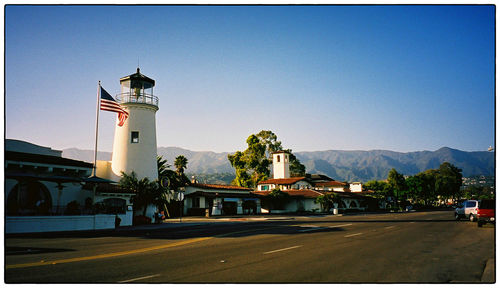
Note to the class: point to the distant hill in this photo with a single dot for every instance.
(338, 164)
(376, 164)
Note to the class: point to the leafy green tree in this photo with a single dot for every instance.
(397, 183)
(428, 180)
(448, 181)
(253, 165)
(415, 188)
(270, 141)
(297, 169)
(278, 199)
(327, 200)
(478, 192)
(381, 189)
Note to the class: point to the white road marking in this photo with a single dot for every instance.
(389, 227)
(351, 235)
(343, 225)
(140, 278)
(312, 229)
(284, 249)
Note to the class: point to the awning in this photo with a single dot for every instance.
(50, 178)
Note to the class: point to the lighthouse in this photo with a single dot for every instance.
(134, 146)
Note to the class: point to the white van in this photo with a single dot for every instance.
(468, 209)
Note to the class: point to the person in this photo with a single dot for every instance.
(117, 221)
(157, 217)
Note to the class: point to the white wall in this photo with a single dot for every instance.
(293, 206)
(281, 169)
(356, 187)
(300, 185)
(70, 192)
(26, 224)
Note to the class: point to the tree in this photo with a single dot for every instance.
(180, 164)
(145, 191)
(478, 192)
(163, 167)
(167, 182)
(270, 141)
(415, 188)
(175, 180)
(428, 179)
(327, 200)
(297, 169)
(278, 199)
(397, 183)
(448, 181)
(253, 165)
(380, 188)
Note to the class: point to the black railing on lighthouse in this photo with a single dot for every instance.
(142, 98)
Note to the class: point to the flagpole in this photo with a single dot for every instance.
(96, 127)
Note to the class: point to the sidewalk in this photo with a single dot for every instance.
(489, 272)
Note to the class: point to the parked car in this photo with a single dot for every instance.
(468, 210)
(486, 212)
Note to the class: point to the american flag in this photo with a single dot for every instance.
(108, 103)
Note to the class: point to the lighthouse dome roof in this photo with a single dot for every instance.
(139, 77)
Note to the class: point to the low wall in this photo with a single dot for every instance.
(27, 224)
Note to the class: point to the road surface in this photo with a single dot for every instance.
(417, 247)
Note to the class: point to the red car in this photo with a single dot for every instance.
(486, 212)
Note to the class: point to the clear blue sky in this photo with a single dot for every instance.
(403, 78)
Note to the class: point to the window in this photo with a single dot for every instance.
(278, 158)
(196, 202)
(135, 137)
(470, 204)
(31, 198)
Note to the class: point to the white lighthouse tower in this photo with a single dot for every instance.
(134, 146)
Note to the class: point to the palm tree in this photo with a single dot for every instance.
(163, 167)
(180, 164)
(164, 195)
(144, 190)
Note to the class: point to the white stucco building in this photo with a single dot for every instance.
(303, 191)
(217, 200)
(47, 192)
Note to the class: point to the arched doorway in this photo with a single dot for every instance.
(29, 198)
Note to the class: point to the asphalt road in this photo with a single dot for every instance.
(418, 247)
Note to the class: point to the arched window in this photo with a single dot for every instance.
(29, 198)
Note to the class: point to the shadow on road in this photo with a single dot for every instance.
(9, 250)
(222, 229)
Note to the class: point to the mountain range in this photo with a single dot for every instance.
(340, 165)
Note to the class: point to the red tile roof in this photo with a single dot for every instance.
(330, 184)
(217, 186)
(282, 181)
(308, 193)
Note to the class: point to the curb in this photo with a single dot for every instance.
(489, 272)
